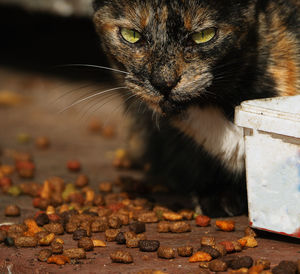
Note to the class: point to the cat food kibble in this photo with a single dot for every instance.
(25, 241)
(98, 243)
(163, 227)
(228, 245)
(202, 221)
(57, 247)
(55, 228)
(75, 253)
(111, 234)
(81, 181)
(42, 142)
(148, 217)
(217, 266)
(74, 165)
(208, 240)
(120, 256)
(240, 262)
(47, 240)
(120, 239)
(58, 259)
(250, 232)
(86, 243)
(200, 257)
(79, 233)
(105, 187)
(172, 216)
(12, 211)
(226, 225)
(286, 267)
(44, 254)
(149, 245)
(137, 227)
(42, 219)
(264, 262)
(166, 252)
(180, 227)
(185, 251)
(211, 251)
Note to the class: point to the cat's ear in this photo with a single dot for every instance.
(97, 4)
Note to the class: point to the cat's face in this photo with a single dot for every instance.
(175, 51)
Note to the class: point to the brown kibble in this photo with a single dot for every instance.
(241, 262)
(187, 214)
(228, 246)
(42, 142)
(180, 227)
(99, 243)
(98, 200)
(79, 233)
(221, 249)
(44, 254)
(202, 221)
(114, 222)
(250, 241)
(208, 240)
(163, 227)
(111, 234)
(172, 216)
(137, 227)
(166, 253)
(57, 247)
(81, 181)
(25, 241)
(227, 226)
(237, 246)
(185, 251)
(149, 245)
(32, 188)
(42, 219)
(55, 228)
(60, 241)
(99, 225)
(105, 187)
(95, 126)
(12, 211)
(132, 242)
(285, 267)
(148, 217)
(200, 257)
(72, 227)
(47, 240)
(75, 253)
(250, 232)
(217, 266)
(74, 165)
(58, 259)
(25, 169)
(214, 253)
(120, 256)
(86, 243)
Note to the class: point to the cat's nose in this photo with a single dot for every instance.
(163, 87)
(164, 81)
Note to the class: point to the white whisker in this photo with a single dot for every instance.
(93, 66)
(89, 97)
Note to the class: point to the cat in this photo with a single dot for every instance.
(188, 64)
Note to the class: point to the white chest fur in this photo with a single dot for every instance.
(211, 130)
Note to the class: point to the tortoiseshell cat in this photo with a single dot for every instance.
(191, 62)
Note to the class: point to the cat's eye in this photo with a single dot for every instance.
(204, 36)
(131, 36)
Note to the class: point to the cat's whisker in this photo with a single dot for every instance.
(90, 97)
(93, 66)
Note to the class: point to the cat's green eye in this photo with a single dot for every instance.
(204, 35)
(131, 36)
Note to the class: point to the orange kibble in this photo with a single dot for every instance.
(202, 221)
(172, 216)
(58, 259)
(226, 225)
(250, 241)
(242, 242)
(99, 243)
(33, 228)
(256, 269)
(200, 257)
(46, 190)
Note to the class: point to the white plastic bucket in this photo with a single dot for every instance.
(272, 147)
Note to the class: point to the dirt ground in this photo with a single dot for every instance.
(39, 114)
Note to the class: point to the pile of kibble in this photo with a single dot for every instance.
(77, 209)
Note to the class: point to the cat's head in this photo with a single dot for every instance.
(177, 52)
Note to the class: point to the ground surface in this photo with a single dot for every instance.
(38, 115)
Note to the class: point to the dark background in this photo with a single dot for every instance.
(40, 42)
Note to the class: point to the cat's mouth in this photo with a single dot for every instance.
(179, 99)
